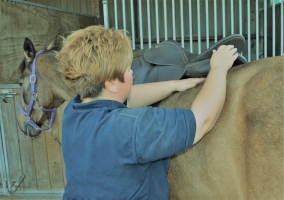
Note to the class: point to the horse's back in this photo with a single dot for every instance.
(242, 156)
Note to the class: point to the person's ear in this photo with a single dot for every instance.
(111, 86)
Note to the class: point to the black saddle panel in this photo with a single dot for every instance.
(145, 72)
(166, 53)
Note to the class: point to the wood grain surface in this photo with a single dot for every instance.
(38, 24)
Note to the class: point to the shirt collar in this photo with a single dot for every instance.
(76, 103)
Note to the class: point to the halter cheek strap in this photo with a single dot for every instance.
(32, 101)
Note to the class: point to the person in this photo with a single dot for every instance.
(114, 145)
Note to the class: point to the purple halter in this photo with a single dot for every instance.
(34, 98)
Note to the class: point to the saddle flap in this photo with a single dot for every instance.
(145, 72)
(167, 53)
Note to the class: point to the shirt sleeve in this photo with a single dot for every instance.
(162, 132)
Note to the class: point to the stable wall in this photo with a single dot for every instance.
(40, 25)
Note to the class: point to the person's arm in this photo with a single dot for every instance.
(149, 93)
(209, 103)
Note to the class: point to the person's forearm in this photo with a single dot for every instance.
(209, 103)
(149, 93)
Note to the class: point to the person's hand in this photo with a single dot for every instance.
(185, 84)
(224, 57)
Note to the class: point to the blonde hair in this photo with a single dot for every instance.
(93, 55)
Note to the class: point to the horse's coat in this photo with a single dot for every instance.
(240, 158)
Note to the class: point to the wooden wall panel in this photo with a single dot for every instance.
(59, 115)
(54, 157)
(40, 25)
(80, 6)
(41, 162)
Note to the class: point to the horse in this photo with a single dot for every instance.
(240, 158)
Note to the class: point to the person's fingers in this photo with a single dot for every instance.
(229, 47)
(192, 85)
(233, 51)
(222, 47)
(199, 80)
(196, 80)
(235, 56)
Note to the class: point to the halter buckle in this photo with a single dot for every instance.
(35, 96)
(32, 78)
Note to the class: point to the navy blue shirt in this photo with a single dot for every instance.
(114, 152)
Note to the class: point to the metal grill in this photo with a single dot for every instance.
(196, 24)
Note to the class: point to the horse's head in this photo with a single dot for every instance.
(50, 89)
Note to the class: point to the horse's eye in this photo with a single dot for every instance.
(21, 84)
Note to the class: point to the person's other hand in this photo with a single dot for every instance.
(185, 84)
(224, 57)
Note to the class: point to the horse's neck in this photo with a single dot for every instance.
(68, 94)
(64, 91)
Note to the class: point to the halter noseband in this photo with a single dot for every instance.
(34, 98)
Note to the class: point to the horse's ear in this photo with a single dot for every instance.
(29, 50)
(52, 44)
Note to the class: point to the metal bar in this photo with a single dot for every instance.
(207, 24)
(2, 155)
(215, 20)
(240, 17)
(190, 25)
(132, 24)
(224, 18)
(174, 19)
(181, 23)
(39, 193)
(115, 15)
(257, 31)
(157, 21)
(248, 13)
(124, 15)
(17, 184)
(52, 8)
(232, 16)
(149, 23)
(282, 42)
(141, 26)
(265, 29)
(105, 8)
(165, 20)
(5, 155)
(198, 27)
(11, 85)
(273, 28)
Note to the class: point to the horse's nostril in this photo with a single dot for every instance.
(31, 132)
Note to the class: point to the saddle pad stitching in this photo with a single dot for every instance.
(198, 63)
(223, 43)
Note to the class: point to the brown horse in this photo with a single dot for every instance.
(240, 158)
